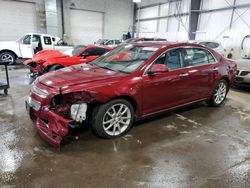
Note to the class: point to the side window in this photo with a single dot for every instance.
(173, 59)
(109, 42)
(36, 38)
(47, 40)
(27, 39)
(99, 51)
(117, 42)
(210, 58)
(94, 52)
(195, 56)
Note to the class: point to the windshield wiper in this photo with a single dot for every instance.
(123, 71)
(105, 67)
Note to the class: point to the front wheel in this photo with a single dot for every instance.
(113, 119)
(219, 94)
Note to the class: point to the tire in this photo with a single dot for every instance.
(219, 93)
(8, 57)
(119, 117)
(55, 67)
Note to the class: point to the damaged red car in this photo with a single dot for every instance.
(129, 83)
(50, 60)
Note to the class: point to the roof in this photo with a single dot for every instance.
(161, 44)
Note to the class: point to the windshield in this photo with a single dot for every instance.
(74, 51)
(20, 39)
(125, 58)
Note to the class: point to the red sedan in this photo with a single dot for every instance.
(50, 60)
(131, 82)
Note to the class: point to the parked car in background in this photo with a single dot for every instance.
(50, 60)
(112, 43)
(243, 72)
(211, 44)
(101, 41)
(129, 83)
(29, 45)
(144, 39)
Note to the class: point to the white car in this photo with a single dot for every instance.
(243, 72)
(112, 43)
(28, 45)
(215, 45)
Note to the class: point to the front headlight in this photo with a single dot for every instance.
(78, 112)
(39, 92)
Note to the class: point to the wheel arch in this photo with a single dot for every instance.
(5, 50)
(129, 99)
(226, 79)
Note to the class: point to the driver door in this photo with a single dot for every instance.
(166, 89)
(26, 47)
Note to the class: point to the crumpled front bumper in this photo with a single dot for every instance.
(36, 69)
(52, 130)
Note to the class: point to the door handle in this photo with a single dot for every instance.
(184, 75)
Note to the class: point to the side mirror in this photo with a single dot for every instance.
(157, 68)
(85, 55)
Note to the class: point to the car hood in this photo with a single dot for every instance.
(48, 54)
(78, 74)
(8, 44)
(243, 64)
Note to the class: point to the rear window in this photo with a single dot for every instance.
(210, 44)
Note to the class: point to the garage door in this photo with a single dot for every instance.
(17, 18)
(86, 26)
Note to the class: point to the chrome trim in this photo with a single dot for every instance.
(39, 92)
(34, 104)
(148, 67)
(175, 107)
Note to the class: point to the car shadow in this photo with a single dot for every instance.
(245, 89)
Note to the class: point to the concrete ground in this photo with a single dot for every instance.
(198, 146)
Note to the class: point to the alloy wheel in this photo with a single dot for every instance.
(220, 93)
(7, 58)
(116, 119)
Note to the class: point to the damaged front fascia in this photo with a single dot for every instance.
(61, 103)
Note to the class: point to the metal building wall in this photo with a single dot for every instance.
(226, 21)
(164, 19)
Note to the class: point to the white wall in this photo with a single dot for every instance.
(118, 15)
(216, 26)
(12, 30)
(172, 28)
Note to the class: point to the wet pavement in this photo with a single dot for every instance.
(197, 146)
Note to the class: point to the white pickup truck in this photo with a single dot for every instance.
(28, 45)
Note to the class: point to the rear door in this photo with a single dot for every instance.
(47, 43)
(203, 71)
(166, 89)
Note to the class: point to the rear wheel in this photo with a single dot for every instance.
(113, 119)
(8, 57)
(55, 67)
(219, 94)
